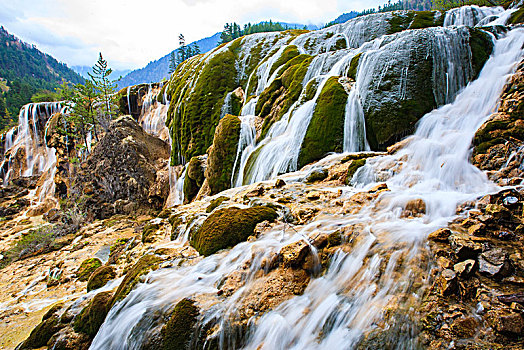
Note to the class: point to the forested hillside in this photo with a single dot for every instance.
(27, 73)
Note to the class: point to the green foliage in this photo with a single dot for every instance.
(414, 20)
(45, 96)
(233, 31)
(325, 132)
(176, 334)
(87, 267)
(444, 5)
(26, 71)
(39, 240)
(227, 227)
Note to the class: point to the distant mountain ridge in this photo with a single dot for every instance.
(83, 70)
(157, 70)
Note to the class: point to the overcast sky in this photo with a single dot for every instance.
(130, 33)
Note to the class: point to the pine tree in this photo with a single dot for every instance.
(106, 89)
(172, 62)
(181, 49)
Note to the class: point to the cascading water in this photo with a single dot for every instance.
(29, 138)
(449, 50)
(469, 15)
(349, 299)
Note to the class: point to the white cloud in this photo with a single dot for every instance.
(130, 33)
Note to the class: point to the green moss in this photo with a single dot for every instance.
(194, 179)
(288, 53)
(317, 175)
(311, 90)
(177, 332)
(353, 167)
(401, 21)
(87, 267)
(41, 334)
(227, 227)
(517, 16)
(481, 47)
(353, 66)
(100, 277)
(193, 123)
(285, 90)
(149, 231)
(325, 132)
(340, 44)
(223, 153)
(93, 315)
(215, 203)
(132, 277)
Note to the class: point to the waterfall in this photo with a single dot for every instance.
(278, 152)
(29, 136)
(469, 15)
(246, 144)
(350, 298)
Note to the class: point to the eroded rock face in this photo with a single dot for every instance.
(125, 173)
(499, 143)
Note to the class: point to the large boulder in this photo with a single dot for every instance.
(123, 173)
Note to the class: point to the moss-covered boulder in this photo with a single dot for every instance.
(394, 103)
(222, 154)
(517, 16)
(353, 167)
(195, 176)
(325, 132)
(227, 227)
(100, 277)
(87, 267)
(180, 328)
(41, 334)
(133, 275)
(93, 315)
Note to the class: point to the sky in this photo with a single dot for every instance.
(131, 33)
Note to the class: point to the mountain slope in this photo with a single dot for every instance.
(25, 70)
(157, 70)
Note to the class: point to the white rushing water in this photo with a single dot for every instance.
(349, 299)
(278, 152)
(29, 137)
(470, 15)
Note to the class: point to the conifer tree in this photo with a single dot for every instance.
(106, 89)
(172, 62)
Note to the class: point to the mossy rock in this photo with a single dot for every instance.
(401, 21)
(288, 53)
(100, 277)
(317, 175)
(481, 48)
(93, 315)
(279, 96)
(215, 203)
(353, 167)
(227, 227)
(222, 154)
(353, 66)
(132, 277)
(148, 232)
(517, 16)
(87, 267)
(193, 124)
(195, 176)
(178, 331)
(41, 334)
(325, 132)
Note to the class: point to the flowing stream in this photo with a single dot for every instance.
(349, 299)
